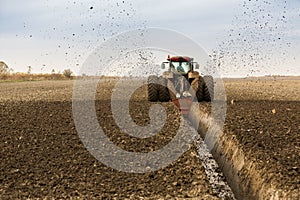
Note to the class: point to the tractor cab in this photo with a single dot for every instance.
(180, 83)
(180, 64)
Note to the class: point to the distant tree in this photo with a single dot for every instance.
(29, 70)
(67, 73)
(4, 68)
(11, 70)
(53, 71)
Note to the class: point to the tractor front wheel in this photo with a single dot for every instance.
(153, 88)
(209, 92)
(201, 89)
(197, 85)
(163, 92)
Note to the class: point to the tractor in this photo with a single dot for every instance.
(181, 84)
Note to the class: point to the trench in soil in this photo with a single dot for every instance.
(246, 180)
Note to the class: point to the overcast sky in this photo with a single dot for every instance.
(245, 37)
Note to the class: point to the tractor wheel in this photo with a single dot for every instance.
(163, 92)
(197, 86)
(153, 88)
(209, 88)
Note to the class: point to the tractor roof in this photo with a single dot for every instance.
(180, 59)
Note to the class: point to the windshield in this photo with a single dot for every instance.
(181, 67)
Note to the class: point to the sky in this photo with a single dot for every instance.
(243, 37)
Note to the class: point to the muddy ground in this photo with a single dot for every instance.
(42, 155)
(264, 116)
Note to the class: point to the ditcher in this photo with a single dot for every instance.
(181, 84)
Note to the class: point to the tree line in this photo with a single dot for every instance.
(5, 71)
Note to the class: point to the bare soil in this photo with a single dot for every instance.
(42, 155)
(263, 114)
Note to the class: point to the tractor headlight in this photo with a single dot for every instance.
(178, 95)
(187, 94)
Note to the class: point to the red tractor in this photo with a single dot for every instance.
(179, 83)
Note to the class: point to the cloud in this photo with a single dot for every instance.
(60, 27)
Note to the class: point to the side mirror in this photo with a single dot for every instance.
(163, 65)
(196, 65)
